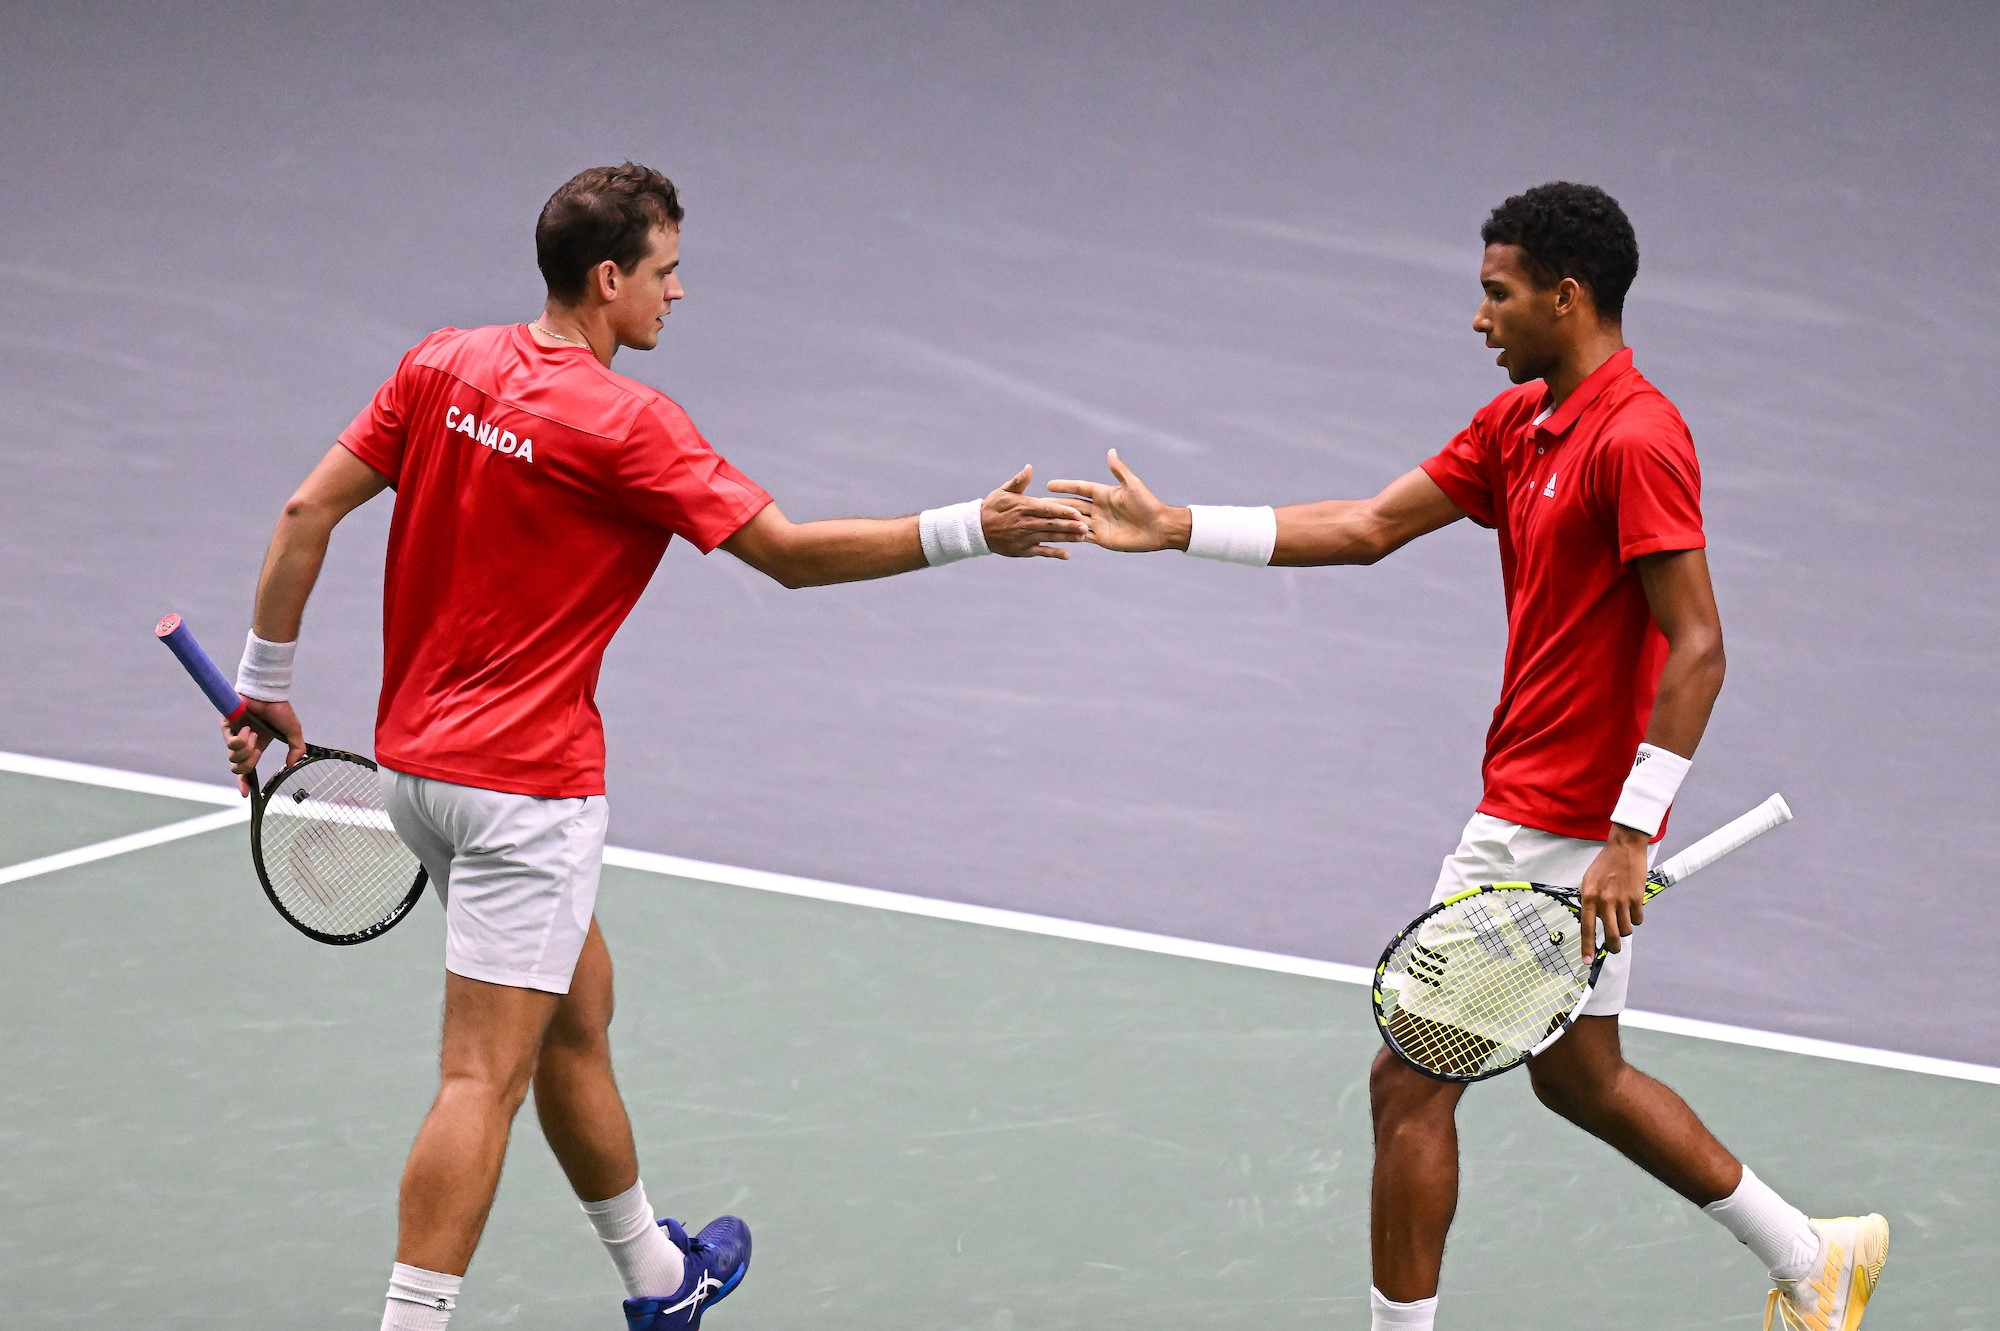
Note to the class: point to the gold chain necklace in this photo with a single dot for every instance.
(547, 331)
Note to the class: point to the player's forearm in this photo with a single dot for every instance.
(1333, 531)
(1689, 684)
(291, 568)
(818, 554)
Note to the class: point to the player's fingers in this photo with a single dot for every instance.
(1021, 479)
(1049, 551)
(1089, 491)
(1638, 912)
(1587, 934)
(1119, 469)
(1048, 508)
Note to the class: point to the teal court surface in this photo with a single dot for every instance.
(932, 1123)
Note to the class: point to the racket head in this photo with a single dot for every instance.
(326, 853)
(1483, 981)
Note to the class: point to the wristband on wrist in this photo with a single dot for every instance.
(1233, 535)
(952, 533)
(266, 672)
(1650, 788)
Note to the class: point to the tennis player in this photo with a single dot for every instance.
(1614, 659)
(536, 491)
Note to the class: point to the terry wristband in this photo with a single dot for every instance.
(266, 672)
(952, 533)
(1655, 779)
(1233, 535)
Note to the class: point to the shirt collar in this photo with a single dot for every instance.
(1587, 392)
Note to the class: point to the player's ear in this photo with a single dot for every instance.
(604, 278)
(1569, 296)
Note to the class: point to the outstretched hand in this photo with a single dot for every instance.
(1019, 524)
(1127, 516)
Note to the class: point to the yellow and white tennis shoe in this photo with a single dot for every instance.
(1851, 1252)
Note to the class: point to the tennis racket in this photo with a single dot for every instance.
(1485, 980)
(326, 853)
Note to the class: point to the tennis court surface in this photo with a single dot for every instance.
(933, 1124)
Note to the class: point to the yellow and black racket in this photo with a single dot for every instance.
(1485, 980)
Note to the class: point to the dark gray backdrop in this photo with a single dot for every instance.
(928, 242)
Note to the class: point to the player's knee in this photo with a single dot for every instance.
(582, 1033)
(487, 1089)
(1399, 1094)
(1575, 1093)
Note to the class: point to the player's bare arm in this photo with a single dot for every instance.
(336, 487)
(1127, 516)
(816, 554)
(1683, 603)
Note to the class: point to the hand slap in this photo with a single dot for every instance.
(1124, 516)
(1018, 524)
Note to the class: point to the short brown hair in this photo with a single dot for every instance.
(606, 212)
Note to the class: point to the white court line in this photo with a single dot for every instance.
(104, 850)
(111, 777)
(991, 916)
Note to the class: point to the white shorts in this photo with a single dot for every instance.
(1494, 850)
(517, 875)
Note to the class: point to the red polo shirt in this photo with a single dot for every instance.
(1611, 475)
(535, 493)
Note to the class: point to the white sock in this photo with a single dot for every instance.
(1769, 1226)
(1388, 1316)
(647, 1260)
(419, 1300)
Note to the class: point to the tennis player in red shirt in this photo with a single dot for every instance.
(536, 491)
(1614, 658)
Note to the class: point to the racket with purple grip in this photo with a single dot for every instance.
(326, 853)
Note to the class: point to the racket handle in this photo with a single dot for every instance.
(1725, 840)
(180, 640)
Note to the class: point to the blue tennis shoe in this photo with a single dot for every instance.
(716, 1260)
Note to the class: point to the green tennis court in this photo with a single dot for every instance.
(933, 1125)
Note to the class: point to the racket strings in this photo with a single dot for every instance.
(1477, 986)
(332, 857)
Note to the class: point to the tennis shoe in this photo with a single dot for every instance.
(1833, 1295)
(716, 1259)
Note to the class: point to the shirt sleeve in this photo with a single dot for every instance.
(1652, 490)
(378, 434)
(1464, 470)
(669, 476)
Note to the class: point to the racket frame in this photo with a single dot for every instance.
(178, 638)
(261, 798)
(1727, 839)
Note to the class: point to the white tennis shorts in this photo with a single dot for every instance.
(1494, 850)
(517, 875)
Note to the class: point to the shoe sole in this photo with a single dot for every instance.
(1871, 1253)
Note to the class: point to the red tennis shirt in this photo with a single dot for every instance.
(1610, 475)
(535, 493)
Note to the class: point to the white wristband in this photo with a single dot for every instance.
(1234, 535)
(266, 672)
(1650, 788)
(952, 533)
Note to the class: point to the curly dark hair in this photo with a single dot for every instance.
(606, 212)
(1569, 230)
